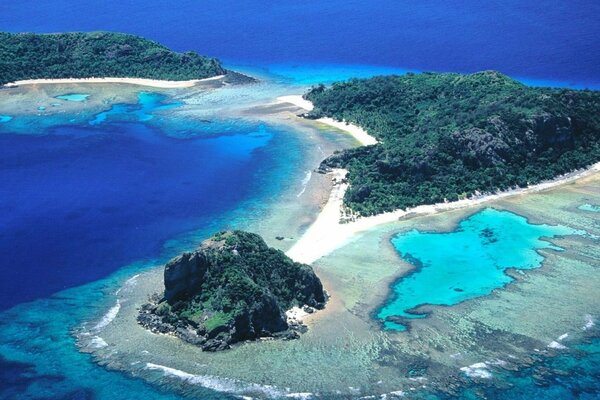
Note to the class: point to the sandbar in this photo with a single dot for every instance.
(163, 84)
(356, 131)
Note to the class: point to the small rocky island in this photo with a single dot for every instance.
(232, 288)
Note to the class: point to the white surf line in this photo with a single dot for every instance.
(157, 83)
(226, 385)
(108, 317)
(327, 234)
(589, 322)
(356, 131)
(305, 181)
(477, 370)
(112, 313)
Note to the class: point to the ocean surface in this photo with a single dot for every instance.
(84, 206)
(550, 41)
(79, 201)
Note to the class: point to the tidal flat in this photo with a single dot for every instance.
(476, 347)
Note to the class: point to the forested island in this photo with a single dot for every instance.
(26, 56)
(446, 136)
(232, 288)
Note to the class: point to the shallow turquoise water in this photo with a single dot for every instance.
(466, 263)
(148, 103)
(5, 118)
(589, 207)
(312, 74)
(73, 97)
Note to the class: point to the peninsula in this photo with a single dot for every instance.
(443, 137)
(78, 55)
(232, 288)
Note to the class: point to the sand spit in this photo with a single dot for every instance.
(356, 131)
(132, 81)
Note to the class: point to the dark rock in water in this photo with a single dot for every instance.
(308, 309)
(232, 288)
(235, 78)
(279, 237)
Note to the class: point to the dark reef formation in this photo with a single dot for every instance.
(446, 136)
(97, 54)
(232, 288)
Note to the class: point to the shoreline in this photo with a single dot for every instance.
(355, 131)
(327, 234)
(157, 83)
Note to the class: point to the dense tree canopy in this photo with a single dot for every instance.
(446, 136)
(96, 54)
(234, 282)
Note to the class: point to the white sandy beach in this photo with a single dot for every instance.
(132, 81)
(327, 234)
(356, 131)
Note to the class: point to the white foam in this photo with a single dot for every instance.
(114, 310)
(563, 336)
(556, 345)
(498, 362)
(302, 396)
(226, 385)
(128, 283)
(589, 322)
(398, 393)
(305, 181)
(97, 342)
(108, 317)
(477, 370)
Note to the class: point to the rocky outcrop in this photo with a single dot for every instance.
(232, 288)
(551, 130)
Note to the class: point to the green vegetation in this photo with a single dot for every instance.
(217, 320)
(235, 270)
(96, 54)
(234, 287)
(447, 136)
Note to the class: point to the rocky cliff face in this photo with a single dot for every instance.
(551, 130)
(232, 288)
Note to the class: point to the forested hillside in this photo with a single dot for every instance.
(446, 136)
(96, 54)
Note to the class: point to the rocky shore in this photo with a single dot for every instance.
(232, 288)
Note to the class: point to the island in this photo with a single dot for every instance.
(29, 56)
(442, 137)
(232, 288)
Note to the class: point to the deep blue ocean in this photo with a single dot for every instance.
(80, 201)
(554, 40)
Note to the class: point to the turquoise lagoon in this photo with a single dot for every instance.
(77, 97)
(148, 104)
(466, 263)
